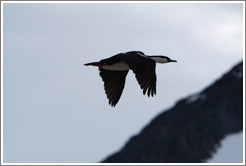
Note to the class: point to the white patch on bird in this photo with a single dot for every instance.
(159, 59)
(141, 54)
(121, 66)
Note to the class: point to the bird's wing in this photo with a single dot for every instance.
(114, 82)
(144, 69)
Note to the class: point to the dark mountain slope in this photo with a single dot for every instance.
(192, 130)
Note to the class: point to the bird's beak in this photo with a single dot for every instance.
(172, 61)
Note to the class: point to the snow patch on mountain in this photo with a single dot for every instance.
(195, 97)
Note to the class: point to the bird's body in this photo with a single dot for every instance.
(113, 71)
(120, 66)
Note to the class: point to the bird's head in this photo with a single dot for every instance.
(161, 59)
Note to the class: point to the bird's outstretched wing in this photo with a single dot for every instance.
(114, 82)
(144, 69)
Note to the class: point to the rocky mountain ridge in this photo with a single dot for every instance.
(192, 130)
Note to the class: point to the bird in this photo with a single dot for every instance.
(113, 71)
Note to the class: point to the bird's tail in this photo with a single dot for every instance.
(93, 64)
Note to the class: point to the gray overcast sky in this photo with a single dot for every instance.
(55, 109)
